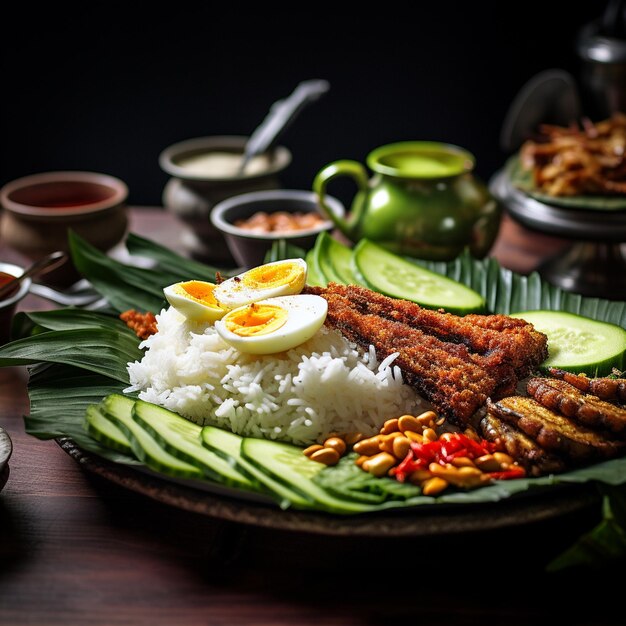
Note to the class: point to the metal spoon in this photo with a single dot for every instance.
(281, 114)
(41, 266)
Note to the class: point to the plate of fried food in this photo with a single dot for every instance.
(582, 166)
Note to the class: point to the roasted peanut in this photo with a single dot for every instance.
(379, 464)
(336, 444)
(504, 459)
(389, 426)
(368, 446)
(419, 476)
(428, 418)
(433, 486)
(327, 456)
(447, 437)
(462, 461)
(359, 462)
(487, 463)
(352, 438)
(416, 437)
(386, 441)
(429, 435)
(311, 449)
(408, 422)
(459, 476)
(400, 447)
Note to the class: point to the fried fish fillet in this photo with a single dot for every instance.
(505, 340)
(520, 446)
(456, 365)
(584, 408)
(554, 432)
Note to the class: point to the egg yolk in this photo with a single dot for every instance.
(265, 277)
(255, 319)
(197, 290)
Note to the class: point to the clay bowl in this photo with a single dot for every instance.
(249, 247)
(40, 209)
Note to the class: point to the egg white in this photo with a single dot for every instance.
(305, 316)
(192, 308)
(234, 292)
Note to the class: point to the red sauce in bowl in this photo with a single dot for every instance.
(4, 279)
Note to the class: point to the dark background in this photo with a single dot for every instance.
(107, 86)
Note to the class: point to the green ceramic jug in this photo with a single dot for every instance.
(422, 201)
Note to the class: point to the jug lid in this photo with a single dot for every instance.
(604, 39)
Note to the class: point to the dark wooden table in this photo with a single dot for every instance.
(76, 549)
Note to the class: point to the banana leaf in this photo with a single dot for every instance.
(124, 286)
(59, 396)
(99, 350)
(167, 260)
(83, 354)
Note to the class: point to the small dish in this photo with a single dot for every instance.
(199, 181)
(9, 303)
(249, 247)
(40, 209)
(6, 448)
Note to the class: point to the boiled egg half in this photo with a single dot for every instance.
(281, 278)
(195, 300)
(273, 325)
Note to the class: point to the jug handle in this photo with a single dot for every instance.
(354, 170)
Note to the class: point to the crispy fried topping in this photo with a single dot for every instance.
(144, 324)
(577, 161)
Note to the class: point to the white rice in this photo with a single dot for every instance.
(325, 385)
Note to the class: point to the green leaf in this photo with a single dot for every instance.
(507, 292)
(605, 543)
(185, 269)
(347, 480)
(98, 350)
(74, 319)
(124, 286)
(282, 249)
(59, 396)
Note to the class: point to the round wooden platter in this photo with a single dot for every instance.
(425, 521)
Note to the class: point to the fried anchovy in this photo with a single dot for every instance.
(521, 447)
(587, 409)
(604, 388)
(552, 431)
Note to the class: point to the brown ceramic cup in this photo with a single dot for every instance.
(40, 209)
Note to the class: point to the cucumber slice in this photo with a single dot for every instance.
(286, 464)
(393, 276)
(313, 276)
(335, 260)
(579, 344)
(104, 431)
(228, 445)
(119, 409)
(182, 439)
